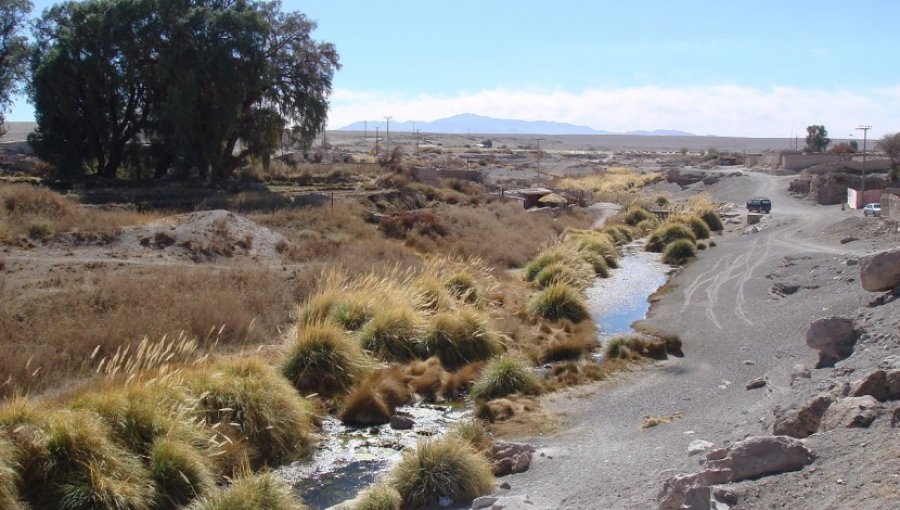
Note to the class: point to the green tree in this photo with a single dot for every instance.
(13, 50)
(90, 84)
(817, 138)
(183, 82)
(890, 145)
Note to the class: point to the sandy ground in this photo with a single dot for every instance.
(735, 327)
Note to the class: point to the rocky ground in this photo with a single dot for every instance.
(744, 310)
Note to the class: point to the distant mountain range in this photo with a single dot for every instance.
(467, 123)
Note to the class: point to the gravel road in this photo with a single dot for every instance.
(734, 329)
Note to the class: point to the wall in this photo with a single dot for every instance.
(858, 200)
(890, 204)
(802, 161)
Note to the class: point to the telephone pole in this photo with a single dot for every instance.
(387, 136)
(376, 141)
(539, 156)
(865, 129)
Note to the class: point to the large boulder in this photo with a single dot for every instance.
(851, 412)
(883, 385)
(833, 337)
(801, 421)
(759, 456)
(880, 271)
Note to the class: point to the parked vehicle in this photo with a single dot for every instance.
(873, 209)
(759, 204)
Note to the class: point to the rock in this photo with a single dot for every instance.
(849, 240)
(509, 458)
(895, 418)
(833, 337)
(759, 382)
(851, 412)
(802, 421)
(726, 496)
(402, 421)
(513, 503)
(484, 502)
(800, 371)
(883, 385)
(880, 271)
(505, 485)
(852, 262)
(680, 491)
(757, 456)
(699, 446)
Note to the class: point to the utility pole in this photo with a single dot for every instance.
(376, 141)
(365, 130)
(416, 134)
(539, 156)
(865, 129)
(387, 136)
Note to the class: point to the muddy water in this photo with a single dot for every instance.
(348, 459)
(618, 301)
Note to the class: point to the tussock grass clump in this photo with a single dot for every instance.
(648, 224)
(393, 334)
(712, 220)
(540, 262)
(634, 215)
(180, 472)
(619, 233)
(505, 375)
(379, 497)
(248, 401)
(625, 347)
(459, 337)
(697, 226)
(558, 301)
(348, 310)
(324, 360)
(577, 275)
(364, 407)
(457, 384)
(665, 234)
(441, 468)
(259, 492)
(9, 474)
(462, 285)
(566, 349)
(598, 243)
(679, 251)
(473, 433)
(69, 460)
(434, 295)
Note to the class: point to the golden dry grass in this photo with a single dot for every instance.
(612, 180)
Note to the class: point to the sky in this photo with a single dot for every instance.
(760, 68)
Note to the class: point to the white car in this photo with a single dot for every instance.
(872, 210)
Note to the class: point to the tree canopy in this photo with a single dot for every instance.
(192, 87)
(817, 138)
(13, 50)
(890, 145)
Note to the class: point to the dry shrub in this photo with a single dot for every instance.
(441, 468)
(457, 384)
(611, 180)
(31, 211)
(95, 317)
(566, 348)
(426, 378)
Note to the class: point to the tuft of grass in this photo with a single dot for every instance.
(462, 285)
(379, 497)
(324, 360)
(635, 215)
(457, 384)
(625, 347)
(393, 334)
(247, 401)
(349, 310)
(619, 233)
(473, 433)
(70, 461)
(665, 234)
(505, 375)
(558, 301)
(180, 472)
(679, 251)
(9, 474)
(697, 226)
(566, 349)
(578, 275)
(712, 219)
(433, 294)
(441, 468)
(364, 407)
(540, 262)
(459, 337)
(648, 224)
(653, 421)
(258, 492)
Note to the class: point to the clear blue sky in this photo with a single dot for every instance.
(761, 68)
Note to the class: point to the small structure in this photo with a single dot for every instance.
(530, 196)
(857, 199)
(553, 200)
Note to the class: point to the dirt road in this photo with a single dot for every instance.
(734, 329)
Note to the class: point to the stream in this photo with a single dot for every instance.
(349, 459)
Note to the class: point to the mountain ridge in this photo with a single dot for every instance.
(469, 123)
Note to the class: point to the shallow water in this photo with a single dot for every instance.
(349, 459)
(620, 300)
